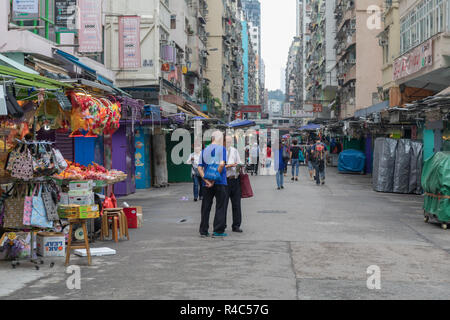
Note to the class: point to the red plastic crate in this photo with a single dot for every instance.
(131, 214)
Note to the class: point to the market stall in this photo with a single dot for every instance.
(42, 193)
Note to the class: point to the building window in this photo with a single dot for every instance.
(173, 21)
(423, 21)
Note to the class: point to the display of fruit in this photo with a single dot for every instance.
(93, 171)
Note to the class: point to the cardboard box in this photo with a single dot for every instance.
(64, 198)
(79, 193)
(81, 185)
(51, 244)
(82, 200)
(78, 212)
(140, 220)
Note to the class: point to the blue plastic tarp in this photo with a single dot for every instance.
(241, 123)
(310, 127)
(351, 161)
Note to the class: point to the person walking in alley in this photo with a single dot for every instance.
(193, 160)
(280, 165)
(295, 159)
(254, 158)
(319, 155)
(309, 160)
(234, 185)
(212, 163)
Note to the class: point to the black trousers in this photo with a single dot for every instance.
(234, 194)
(219, 192)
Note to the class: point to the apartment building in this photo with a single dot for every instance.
(225, 63)
(304, 12)
(321, 83)
(389, 40)
(423, 67)
(252, 14)
(151, 77)
(294, 77)
(358, 55)
(249, 63)
(188, 35)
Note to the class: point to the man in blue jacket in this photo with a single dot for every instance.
(216, 154)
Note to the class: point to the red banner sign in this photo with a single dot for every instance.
(414, 61)
(250, 109)
(317, 107)
(90, 33)
(129, 42)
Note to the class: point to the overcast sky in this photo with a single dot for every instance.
(277, 31)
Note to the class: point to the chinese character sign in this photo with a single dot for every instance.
(25, 10)
(65, 15)
(90, 33)
(129, 42)
(414, 61)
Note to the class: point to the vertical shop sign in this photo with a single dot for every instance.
(25, 10)
(129, 42)
(65, 16)
(90, 22)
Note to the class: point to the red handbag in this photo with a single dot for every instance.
(113, 200)
(246, 187)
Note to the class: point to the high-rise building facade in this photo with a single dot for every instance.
(225, 61)
(358, 55)
(321, 83)
(252, 14)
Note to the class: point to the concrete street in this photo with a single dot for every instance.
(304, 242)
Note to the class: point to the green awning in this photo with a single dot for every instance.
(32, 80)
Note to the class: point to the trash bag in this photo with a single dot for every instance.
(384, 164)
(351, 161)
(436, 184)
(402, 166)
(415, 171)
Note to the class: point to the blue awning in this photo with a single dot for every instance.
(76, 61)
(362, 113)
(241, 123)
(311, 127)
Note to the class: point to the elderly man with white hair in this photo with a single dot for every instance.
(212, 163)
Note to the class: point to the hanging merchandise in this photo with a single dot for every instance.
(50, 199)
(28, 208)
(13, 208)
(14, 110)
(20, 163)
(39, 215)
(95, 115)
(34, 159)
(49, 114)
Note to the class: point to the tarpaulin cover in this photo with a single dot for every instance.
(351, 161)
(402, 166)
(436, 184)
(415, 172)
(384, 164)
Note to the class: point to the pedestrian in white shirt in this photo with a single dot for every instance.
(234, 185)
(193, 160)
(254, 158)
